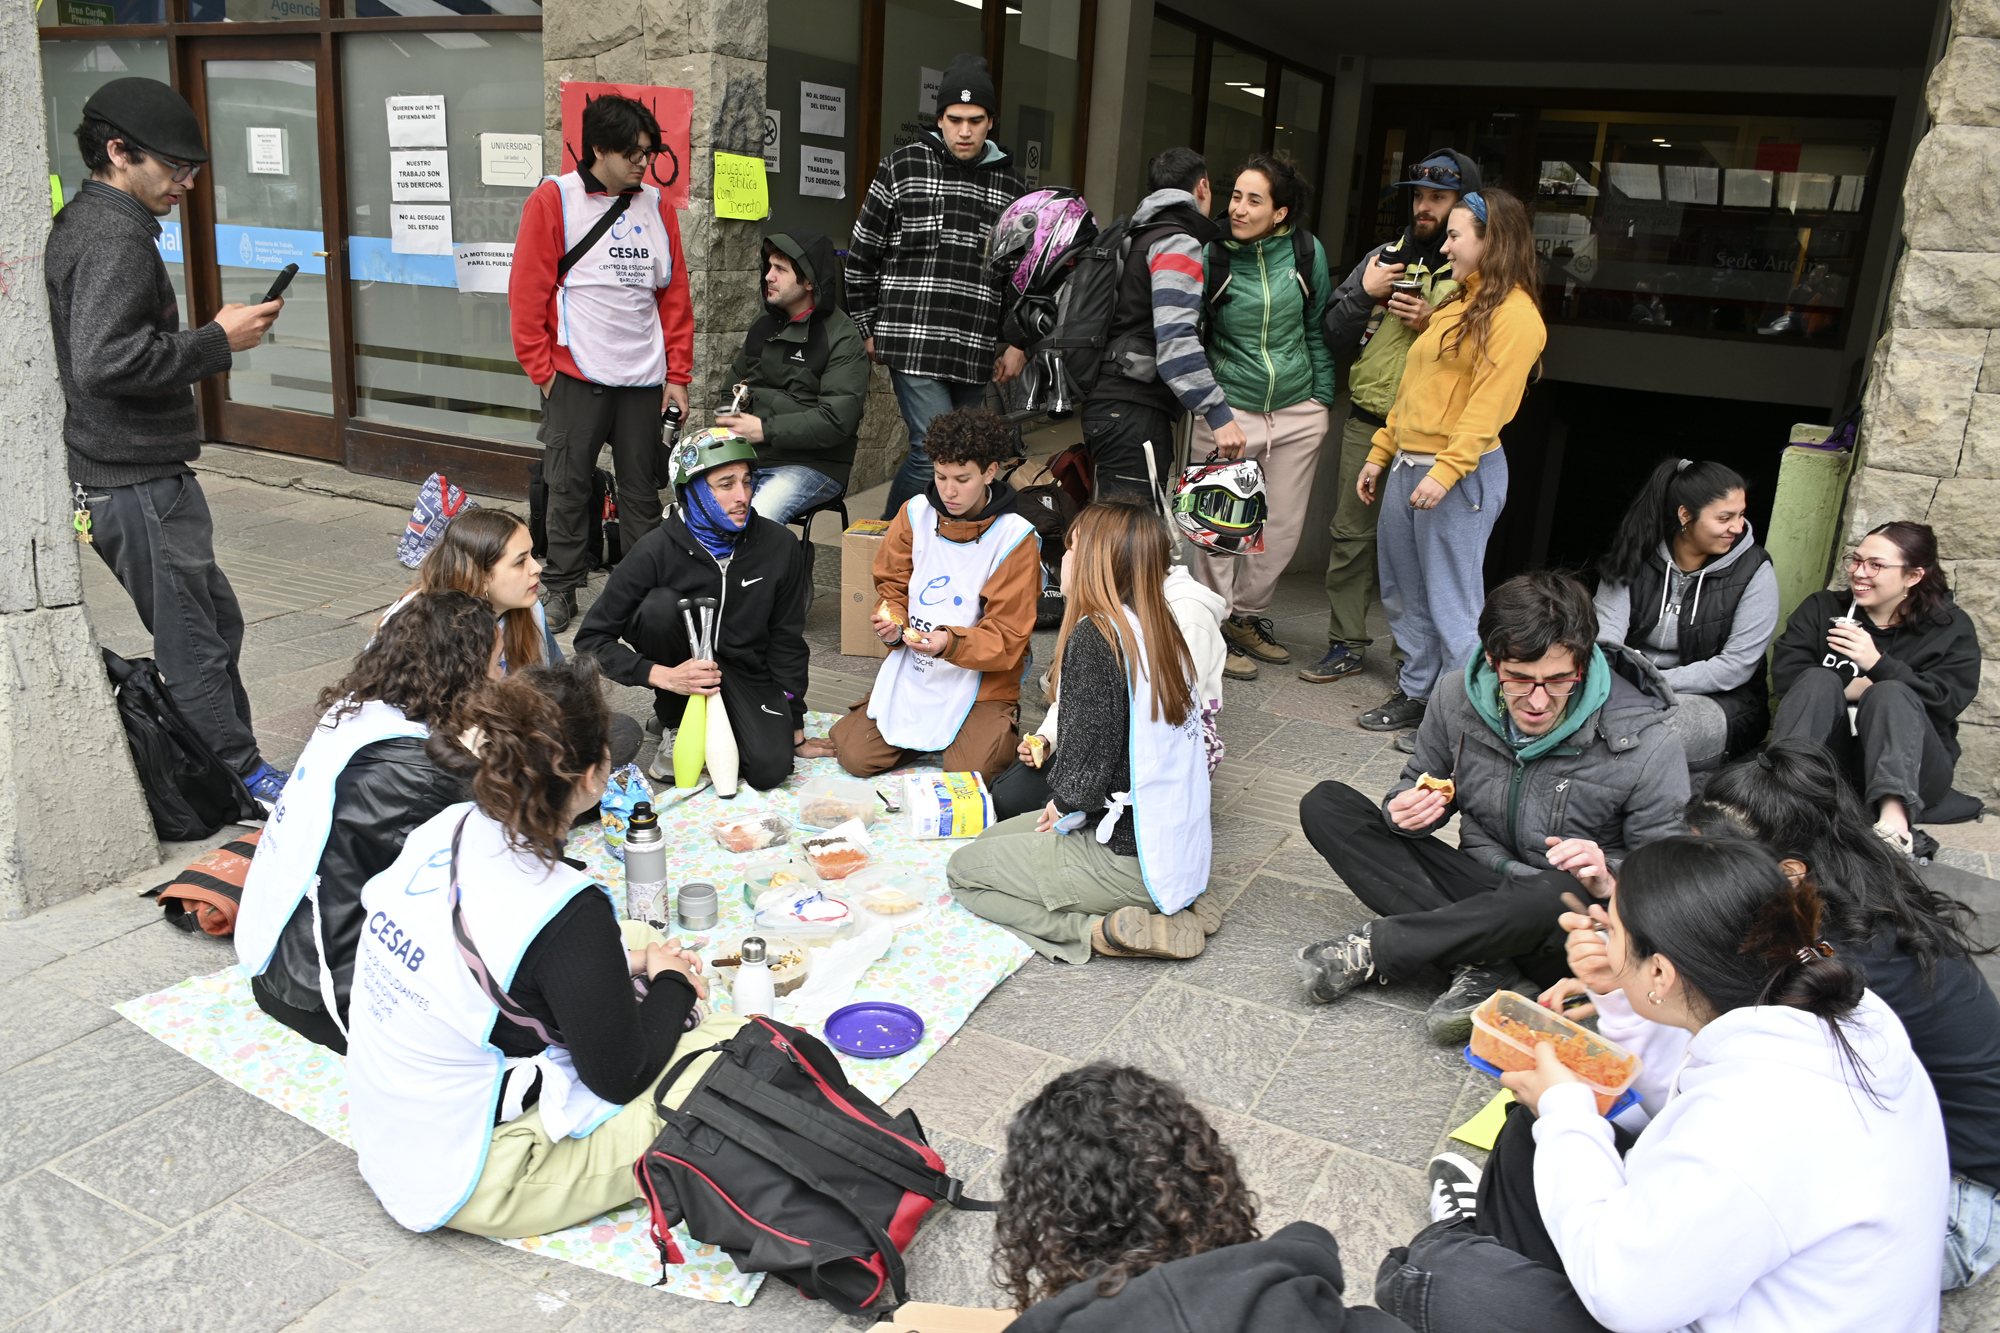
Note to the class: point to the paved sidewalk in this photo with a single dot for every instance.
(144, 1194)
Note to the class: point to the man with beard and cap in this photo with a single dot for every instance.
(710, 544)
(128, 371)
(917, 282)
(808, 370)
(1364, 312)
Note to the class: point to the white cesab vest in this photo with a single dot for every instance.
(424, 1078)
(608, 310)
(919, 702)
(285, 871)
(1169, 796)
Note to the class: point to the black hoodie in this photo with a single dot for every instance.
(1937, 657)
(808, 377)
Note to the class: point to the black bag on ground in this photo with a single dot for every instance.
(191, 792)
(1049, 507)
(601, 543)
(538, 510)
(777, 1159)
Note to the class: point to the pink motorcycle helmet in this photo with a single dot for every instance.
(1034, 237)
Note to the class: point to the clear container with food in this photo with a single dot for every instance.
(1508, 1027)
(760, 877)
(751, 831)
(806, 912)
(889, 896)
(790, 962)
(840, 851)
(825, 802)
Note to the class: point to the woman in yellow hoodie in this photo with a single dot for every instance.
(1447, 474)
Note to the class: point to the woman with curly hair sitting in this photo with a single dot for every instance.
(1122, 1208)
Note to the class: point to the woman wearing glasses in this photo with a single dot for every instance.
(1879, 674)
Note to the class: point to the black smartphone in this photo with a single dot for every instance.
(283, 280)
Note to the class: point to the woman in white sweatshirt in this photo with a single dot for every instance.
(1789, 1170)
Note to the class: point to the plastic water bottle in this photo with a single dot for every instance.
(755, 992)
(645, 867)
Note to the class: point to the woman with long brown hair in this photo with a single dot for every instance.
(1117, 862)
(490, 553)
(1447, 474)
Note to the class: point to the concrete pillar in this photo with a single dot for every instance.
(1115, 175)
(72, 814)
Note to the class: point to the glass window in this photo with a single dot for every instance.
(100, 13)
(1169, 90)
(251, 11)
(814, 42)
(919, 38)
(1038, 90)
(428, 354)
(1236, 94)
(1300, 97)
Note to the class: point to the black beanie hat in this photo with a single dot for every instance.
(151, 115)
(967, 82)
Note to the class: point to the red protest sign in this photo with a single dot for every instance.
(672, 107)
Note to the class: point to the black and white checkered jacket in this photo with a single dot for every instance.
(916, 275)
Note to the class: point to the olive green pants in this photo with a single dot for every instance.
(1047, 888)
(1351, 582)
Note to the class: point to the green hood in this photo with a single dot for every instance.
(1482, 687)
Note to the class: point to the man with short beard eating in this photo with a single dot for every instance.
(1364, 312)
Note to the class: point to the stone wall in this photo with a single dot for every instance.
(1930, 436)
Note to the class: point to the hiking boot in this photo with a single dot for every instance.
(1207, 909)
(1340, 660)
(1449, 1019)
(1398, 712)
(266, 784)
(1405, 742)
(1334, 967)
(1257, 637)
(1454, 1188)
(1144, 934)
(559, 608)
(1239, 665)
(1100, 945)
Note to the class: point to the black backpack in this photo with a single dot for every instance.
(776, 1158)
(1087, 304)
(1050, 510)
(191, 792)
(1215, 278)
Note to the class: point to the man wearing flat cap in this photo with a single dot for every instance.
(128, 371)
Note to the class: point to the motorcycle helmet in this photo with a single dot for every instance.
(708, 449)
(1032, 242)
(1220, 506)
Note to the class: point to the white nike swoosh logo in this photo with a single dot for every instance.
(758, 579)
(772, 711)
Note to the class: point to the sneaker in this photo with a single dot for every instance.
(266, 784)
(1454, 1188)
(1398, 712)
(1239, 665)
(1903, 843)
(1405, 742)
(1334, 967)
(1340, 660)
(661, 769)
(1256, 637)
(559, 608)
(1449, 1019)
(1147, 934)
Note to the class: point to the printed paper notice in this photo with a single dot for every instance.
(483, 267)
(773, 133)
(822, 109)
(420, 229)
(510, 159)
(928, 83)
(740, 190)
(421, 177)
(416, 122)
(822, 172)
(267, 150)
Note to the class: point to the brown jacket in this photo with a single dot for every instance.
(997, 643)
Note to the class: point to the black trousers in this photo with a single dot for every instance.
(760, 716)
(1440, 908)
(1896, 751)
(1498, 1274)
(578, 418)
(315, 1025)
(1117, 434)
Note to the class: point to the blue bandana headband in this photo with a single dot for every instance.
(1477, 204)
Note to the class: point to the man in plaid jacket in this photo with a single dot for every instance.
(917, 285)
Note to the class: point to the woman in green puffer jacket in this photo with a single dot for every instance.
(1263, 308)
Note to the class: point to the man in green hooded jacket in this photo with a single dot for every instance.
(806, 369)
(1554, 752)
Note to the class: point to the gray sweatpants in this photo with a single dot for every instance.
(159, 540)
(1432, 564)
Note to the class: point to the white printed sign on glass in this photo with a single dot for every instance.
(483, 266)
(822, 109)
(510, 159)
(822, 172)
(928, 82)
(420, 177)
(420, 229)
(416, 121)
(267, 150)
(773, 134)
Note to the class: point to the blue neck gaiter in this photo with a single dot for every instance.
(705, 519)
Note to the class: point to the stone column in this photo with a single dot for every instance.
(72, 814)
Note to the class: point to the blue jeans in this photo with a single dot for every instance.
(1432, 565)
(782, 493)
(1972, 1237)
(921, 399)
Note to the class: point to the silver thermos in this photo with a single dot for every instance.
(645, 868)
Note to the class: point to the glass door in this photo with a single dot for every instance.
(258, 208)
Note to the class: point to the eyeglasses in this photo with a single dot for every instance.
(642, 154)
(183, 171)
(1436, 175)
(1557, 689)
(1860, 563)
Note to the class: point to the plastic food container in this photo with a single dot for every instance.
(840, 851)
(1508, 1027)
(757, 877)
(751, 832)
(791, 962)
(887, 896)
(791, 912)
(825, 802)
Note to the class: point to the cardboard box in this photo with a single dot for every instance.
(918, 1317)
(858, 546)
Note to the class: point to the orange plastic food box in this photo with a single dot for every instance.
(1508, 1027)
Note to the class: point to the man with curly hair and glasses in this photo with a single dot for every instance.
(1556, 754)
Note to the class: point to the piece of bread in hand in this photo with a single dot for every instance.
(1038, 748)
(1425, 782)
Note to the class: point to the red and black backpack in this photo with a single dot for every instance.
(776, 1158)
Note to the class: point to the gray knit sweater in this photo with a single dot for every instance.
(127, 366)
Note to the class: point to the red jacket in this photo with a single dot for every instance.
(532, 287)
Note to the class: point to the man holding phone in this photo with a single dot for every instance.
(1380, 309)
(128, 371)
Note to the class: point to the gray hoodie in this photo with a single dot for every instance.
(1742, 656)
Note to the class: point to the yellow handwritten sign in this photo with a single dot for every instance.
(740, 191)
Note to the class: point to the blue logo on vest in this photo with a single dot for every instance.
(937, 584)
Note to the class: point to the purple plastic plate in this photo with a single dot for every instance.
(873, 1029)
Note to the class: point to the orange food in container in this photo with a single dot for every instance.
(1508, 1027)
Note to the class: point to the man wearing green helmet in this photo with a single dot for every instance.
(711, 545)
